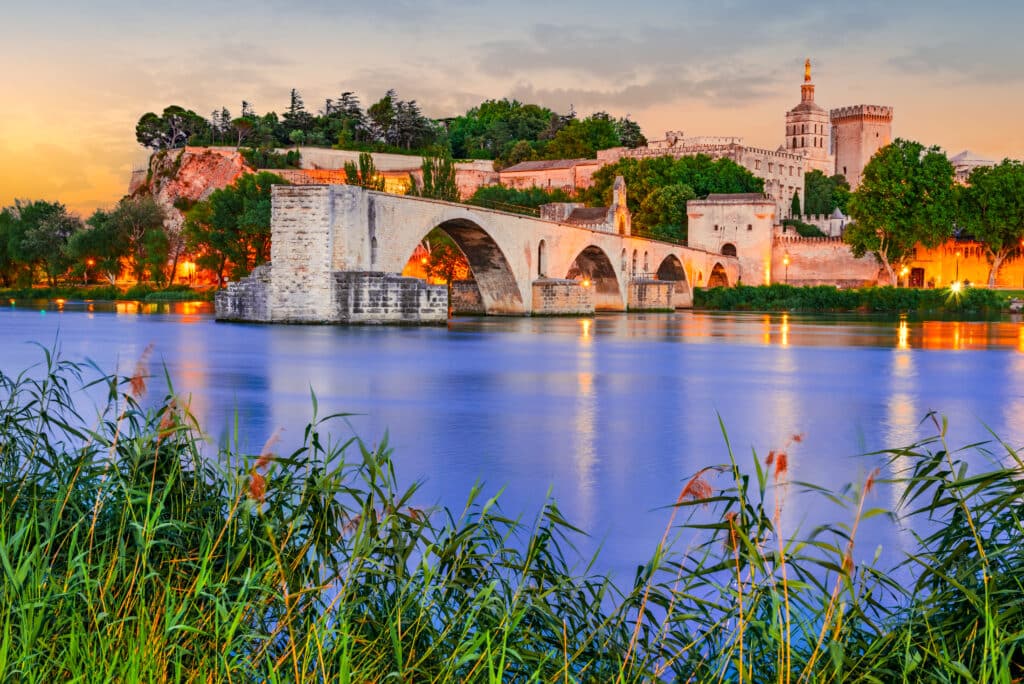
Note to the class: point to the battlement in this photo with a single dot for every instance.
(861, 111)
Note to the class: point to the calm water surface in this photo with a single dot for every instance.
(611, 414)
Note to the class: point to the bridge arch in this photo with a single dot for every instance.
(594, 265)
(671, 269)
(718, 277)
(491, 270)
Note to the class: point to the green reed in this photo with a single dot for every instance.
(129, 554)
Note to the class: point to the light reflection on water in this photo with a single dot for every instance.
(612, 414)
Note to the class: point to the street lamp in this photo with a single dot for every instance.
(903, 274)
(88, 264)
(957, 276)
(785, 260)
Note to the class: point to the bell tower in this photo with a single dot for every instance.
(808, 129)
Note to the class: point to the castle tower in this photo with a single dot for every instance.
(857, 133)
(807, 129)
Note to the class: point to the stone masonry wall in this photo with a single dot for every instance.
(555, 297)
(651, 295)
(302, 250)
(466, 298)
(369, 297)
(247, 299)
(821, 261)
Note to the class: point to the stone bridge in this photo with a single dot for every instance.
(338, 251)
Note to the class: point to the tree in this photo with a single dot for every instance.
(991, 210)
(824, 194)
(794, 207)
(296, 118)
(524, 201)
(905, 198)
(663, 211)
(438, 178)
(37, 233)
(582, 139)
(101, 244)
(243, 128)
(138, 222)
(365, 175)
(629, 132)
(170, 130)
(445, 261)
(8, 266)
(231, 229)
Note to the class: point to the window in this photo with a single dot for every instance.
(770, 165)
(716, 226)
(750, 226)
(757, 164)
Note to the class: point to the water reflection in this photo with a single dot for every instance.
(612, 413)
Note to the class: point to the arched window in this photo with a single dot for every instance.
(373, 251)
(647, 264)
(623, 261)
(729, 249)
(634, 262)
(542, 266)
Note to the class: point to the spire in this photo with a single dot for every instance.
(807, 89)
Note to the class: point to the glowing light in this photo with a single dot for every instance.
(904, 271)
(903, 335)
(11, 301)
(785, 330)
(586, 282)
(785, 260)
(956, 286)
(90, 262)
(423, 261)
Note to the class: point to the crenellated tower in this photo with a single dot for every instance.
(808, 130)
(857, 133)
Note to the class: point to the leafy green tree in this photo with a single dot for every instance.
(296, 118)
(139, 224)
(365, 175)
(37, 234)
(445, 261)
(794, 207)
(102, 245)
(438, 178)
(663, 211)
(824, 194)
(491, 129)
(231, 229)
(629, 132)
(8, 266)
(520, 152)
(643, 176)
(516, 200)
(582, 139)
(991, 210)
(172, 129)
(905, 198)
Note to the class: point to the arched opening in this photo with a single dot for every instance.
(671, 269)
(718, 277)
(462, 254)
(647, 264)
(633, 272)
(729, 249)
(593, 265)
(542, 263)
(623, 269)
(373, 251)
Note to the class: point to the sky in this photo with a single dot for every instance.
(76, 76)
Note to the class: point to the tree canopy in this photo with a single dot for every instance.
(438, 171)
(696, 177)
(990, 209)
(230, 230)
(824, 194)
(905, 198)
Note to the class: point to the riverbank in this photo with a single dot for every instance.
(129, 555)
(828, 299)
(140, 292)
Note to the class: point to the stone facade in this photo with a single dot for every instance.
(740, 225)
(247, 299)
(614, 219)
(555, 174)
(466, 299)
(560, 297)
(647, 294)
(822, 261)
(808, 131)
(373, 297)
(857, 133)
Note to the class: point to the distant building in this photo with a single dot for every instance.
(553, 174)
(808, 130)
(965, 162)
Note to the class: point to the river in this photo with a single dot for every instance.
(611, 414)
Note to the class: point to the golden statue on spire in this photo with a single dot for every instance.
(807, 71)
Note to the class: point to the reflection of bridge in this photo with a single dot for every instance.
(337, 251)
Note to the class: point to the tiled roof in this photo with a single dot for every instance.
(547, 165)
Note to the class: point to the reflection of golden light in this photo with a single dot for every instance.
(767, 327)
(11, 301)
(902, 335)
(585, 325)
(785, 330)
(1020, 340)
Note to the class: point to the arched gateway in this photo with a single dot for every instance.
(338, 251)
